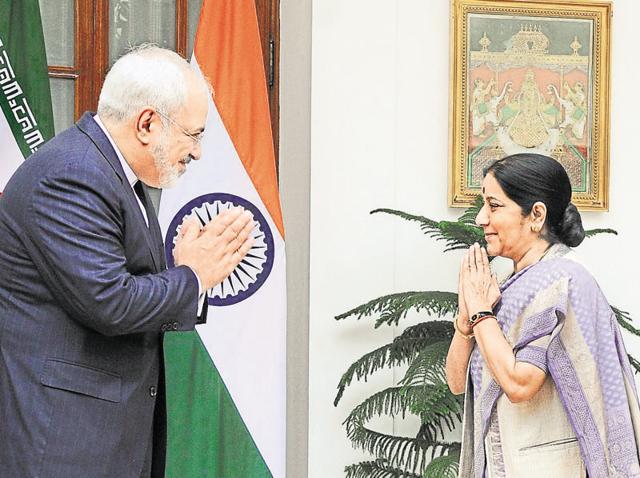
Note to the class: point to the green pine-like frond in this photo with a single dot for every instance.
(404, 452)
(425, 222)
(386, 402)
(400, 451)
(634, 363)
(470, 213)
(434, 403)
(376, 469)
(391, 308)
(402, 350)
(436, 406)
(624, 319)
(460, 236)
(455, 234)
(445, 466)
(365, 366)
(431, 331)
(594, 232)
(428, 366)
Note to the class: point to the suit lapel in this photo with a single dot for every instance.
(88, 126)
(152, 233)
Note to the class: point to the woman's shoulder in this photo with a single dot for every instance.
(561, 268)
(569, 265)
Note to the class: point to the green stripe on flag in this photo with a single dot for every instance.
(25, 97)
(206, 435)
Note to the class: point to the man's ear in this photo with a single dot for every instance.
(145, 125)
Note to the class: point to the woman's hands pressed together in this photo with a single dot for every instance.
(462, 321)
(477, 291)
(479, 288)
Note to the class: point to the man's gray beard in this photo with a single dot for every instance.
(168, 173)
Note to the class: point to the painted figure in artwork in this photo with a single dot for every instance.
(493, 116)
(574, 106)
(550, 112)
(528, 128)
(509, 109)
(479, 105)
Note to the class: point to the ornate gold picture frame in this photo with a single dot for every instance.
(531, 76)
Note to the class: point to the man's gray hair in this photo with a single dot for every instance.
(146, 76)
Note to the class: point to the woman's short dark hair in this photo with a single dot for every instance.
(527, 178)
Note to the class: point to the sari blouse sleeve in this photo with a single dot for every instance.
(538, 323)
(535, 353)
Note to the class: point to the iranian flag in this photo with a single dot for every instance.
(226, 381)
(26, 119)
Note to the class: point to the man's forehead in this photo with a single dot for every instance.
(195, 110)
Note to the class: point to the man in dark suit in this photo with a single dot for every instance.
(84, 292)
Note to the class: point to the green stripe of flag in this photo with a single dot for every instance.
(206, 435)
(25, 96)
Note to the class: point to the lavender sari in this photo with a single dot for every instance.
(585, 420)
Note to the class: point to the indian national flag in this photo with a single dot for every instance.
(226, 381)
(26, 120)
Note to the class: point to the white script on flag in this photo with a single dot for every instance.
(18, 102)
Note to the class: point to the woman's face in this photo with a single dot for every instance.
(507, 232)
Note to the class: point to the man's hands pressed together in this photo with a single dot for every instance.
(214, 251)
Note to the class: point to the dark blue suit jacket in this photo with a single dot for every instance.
(84, 299)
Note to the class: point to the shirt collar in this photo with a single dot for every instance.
(131, 176)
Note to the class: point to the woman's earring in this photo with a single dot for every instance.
(535, 228)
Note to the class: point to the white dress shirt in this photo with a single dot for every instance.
(128, 172)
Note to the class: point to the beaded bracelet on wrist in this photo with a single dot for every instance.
(484, 317)
(477, 316)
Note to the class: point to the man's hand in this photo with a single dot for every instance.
(214, 251)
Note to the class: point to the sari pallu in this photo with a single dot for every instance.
(585, 420)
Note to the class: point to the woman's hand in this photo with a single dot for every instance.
(461, 347)
(480, 288)
(463, 314)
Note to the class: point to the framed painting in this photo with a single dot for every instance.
(531, 76)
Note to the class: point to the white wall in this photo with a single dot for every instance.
(379, 129)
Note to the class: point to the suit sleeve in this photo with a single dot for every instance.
(75, 236)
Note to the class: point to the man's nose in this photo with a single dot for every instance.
(197, 151)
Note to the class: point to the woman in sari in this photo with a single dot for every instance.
(549, 388)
